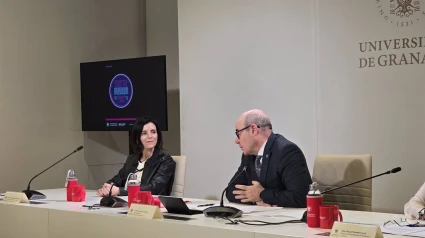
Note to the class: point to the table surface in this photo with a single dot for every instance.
(56, 200)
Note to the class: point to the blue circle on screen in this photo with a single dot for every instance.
(121, 90)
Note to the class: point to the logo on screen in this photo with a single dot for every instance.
(121, 90)
(401, 13)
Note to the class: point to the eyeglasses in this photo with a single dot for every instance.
(238, 131)
(402, 223)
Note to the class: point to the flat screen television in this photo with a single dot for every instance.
(115, 92)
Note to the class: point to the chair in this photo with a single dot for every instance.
(331, 171)
(178, 186)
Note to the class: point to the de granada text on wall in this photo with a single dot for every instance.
(392, 52)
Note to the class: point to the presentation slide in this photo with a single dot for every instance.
(115, 93)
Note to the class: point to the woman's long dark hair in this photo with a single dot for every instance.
(137, 131)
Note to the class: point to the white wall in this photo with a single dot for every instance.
(162, 39)
(41, 45)
(299, 61)
(377, 110)
(234, 56)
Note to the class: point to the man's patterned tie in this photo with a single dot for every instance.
(258, 165)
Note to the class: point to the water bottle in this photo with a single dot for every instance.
(314, 201)
(132, 187)
(71, 181)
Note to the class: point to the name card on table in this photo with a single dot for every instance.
(144, 211)
(15, 198)
(353, 230)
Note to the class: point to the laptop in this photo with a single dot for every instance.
(177, 205)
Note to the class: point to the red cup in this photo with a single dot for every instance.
(156, 202)
(328, 215)
(313, 210)
(79, 193)
(144, 197)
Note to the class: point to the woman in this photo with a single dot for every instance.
(416, 204)
(154, 168)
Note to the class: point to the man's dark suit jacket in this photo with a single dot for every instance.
(284, 174)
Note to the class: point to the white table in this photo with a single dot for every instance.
(58, 218)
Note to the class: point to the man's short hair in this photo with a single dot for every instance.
(259, 120)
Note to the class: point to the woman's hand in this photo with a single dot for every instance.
(115, 191)
(104, 191)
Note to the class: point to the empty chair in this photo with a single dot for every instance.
(178, 186)
(333, 170)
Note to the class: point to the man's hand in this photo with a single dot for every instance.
(249, 193)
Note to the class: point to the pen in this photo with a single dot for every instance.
(206, 205)
(416, 225)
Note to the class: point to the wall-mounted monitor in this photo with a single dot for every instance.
(115, 92)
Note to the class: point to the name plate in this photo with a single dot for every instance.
(352, 230)
(144, 211)
(15, 198)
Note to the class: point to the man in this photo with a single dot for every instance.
(416, 204)
(276, 169)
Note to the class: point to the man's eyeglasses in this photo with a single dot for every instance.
(263, 126)
(238, 131)
(402, 223)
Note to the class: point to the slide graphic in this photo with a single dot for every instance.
(121, 91)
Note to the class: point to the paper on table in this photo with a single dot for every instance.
(282, 212)
(403, 230)
(251, 209)
(247, 209)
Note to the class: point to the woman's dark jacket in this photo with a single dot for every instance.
(157, 177)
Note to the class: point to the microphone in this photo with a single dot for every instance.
(34, 195)
(110, 190)
(112, 201)
(224, 211)
(392, 171)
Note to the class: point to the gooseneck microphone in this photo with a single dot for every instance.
(392, 171)
(112, 201)
(34, 195)
(222, 211)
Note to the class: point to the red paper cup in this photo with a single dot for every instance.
(144, 197)
(78, 193)
(156, 202)
(328, 215)
(83, 193)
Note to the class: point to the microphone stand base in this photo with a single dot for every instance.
(34, 195)
(110, 201)
(219, 211)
